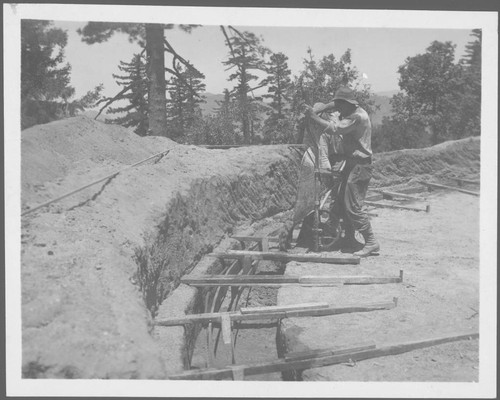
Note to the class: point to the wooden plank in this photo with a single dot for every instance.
(238, 316)
(290, 307)
(278, 280)
(395, 194)
(226, 328)
(255, 238)
(410, 190)
(374, 197)
(195, 280)
(323, 312)
(395, 206)
(472, 182)
(302, 355)
(286, 257)
(347, 280)
(436, 185)
(281, 365)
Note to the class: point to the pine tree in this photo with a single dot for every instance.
(183, 108)
(279, 82)
(151, 37)
(134, 78)
(246, 57)
(45, 91)
(469, 121)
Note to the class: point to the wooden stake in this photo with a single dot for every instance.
(436, 185)
(238, 374)
(264, 245)
(226, 328)
(286, 257)
(347, 355)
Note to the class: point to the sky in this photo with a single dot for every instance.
(376, 52)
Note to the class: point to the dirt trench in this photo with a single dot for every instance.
(268, 341)
(95, 266)
(98, 266)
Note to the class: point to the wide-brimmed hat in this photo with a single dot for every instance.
(346, 94)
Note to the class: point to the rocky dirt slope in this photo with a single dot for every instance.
(96, 265)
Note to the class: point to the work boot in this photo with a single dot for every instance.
(371, 244)
(348, 243)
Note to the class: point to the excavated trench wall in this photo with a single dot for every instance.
(194, 224)
(197, 221)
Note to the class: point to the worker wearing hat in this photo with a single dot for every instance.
(355, 129)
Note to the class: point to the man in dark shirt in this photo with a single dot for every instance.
(355, 129)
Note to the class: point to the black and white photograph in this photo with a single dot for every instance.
(266, 201)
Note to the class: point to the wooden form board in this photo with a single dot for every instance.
(397, 207)
(290, 307)
(436, 185)
(275, 314)
(337, 356)
(286, 257)
(396, 194)
(280, 280)
(303, 355)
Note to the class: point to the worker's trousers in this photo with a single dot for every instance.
(356, 177)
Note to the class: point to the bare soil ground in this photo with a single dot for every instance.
(439, 253)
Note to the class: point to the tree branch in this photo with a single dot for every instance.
(231, 49)
(178, 57)
(181, 78)
(110, 100)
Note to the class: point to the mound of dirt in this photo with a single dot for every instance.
(83, 313)
(454, 158)
(69, 153)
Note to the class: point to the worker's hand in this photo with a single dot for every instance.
(308, 110)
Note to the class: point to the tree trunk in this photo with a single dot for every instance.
(157, 110)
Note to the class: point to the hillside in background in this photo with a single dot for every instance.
(382, 99)
(211, 103)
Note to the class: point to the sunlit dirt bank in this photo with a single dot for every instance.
(99, 265)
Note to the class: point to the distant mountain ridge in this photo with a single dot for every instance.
(382, 99)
